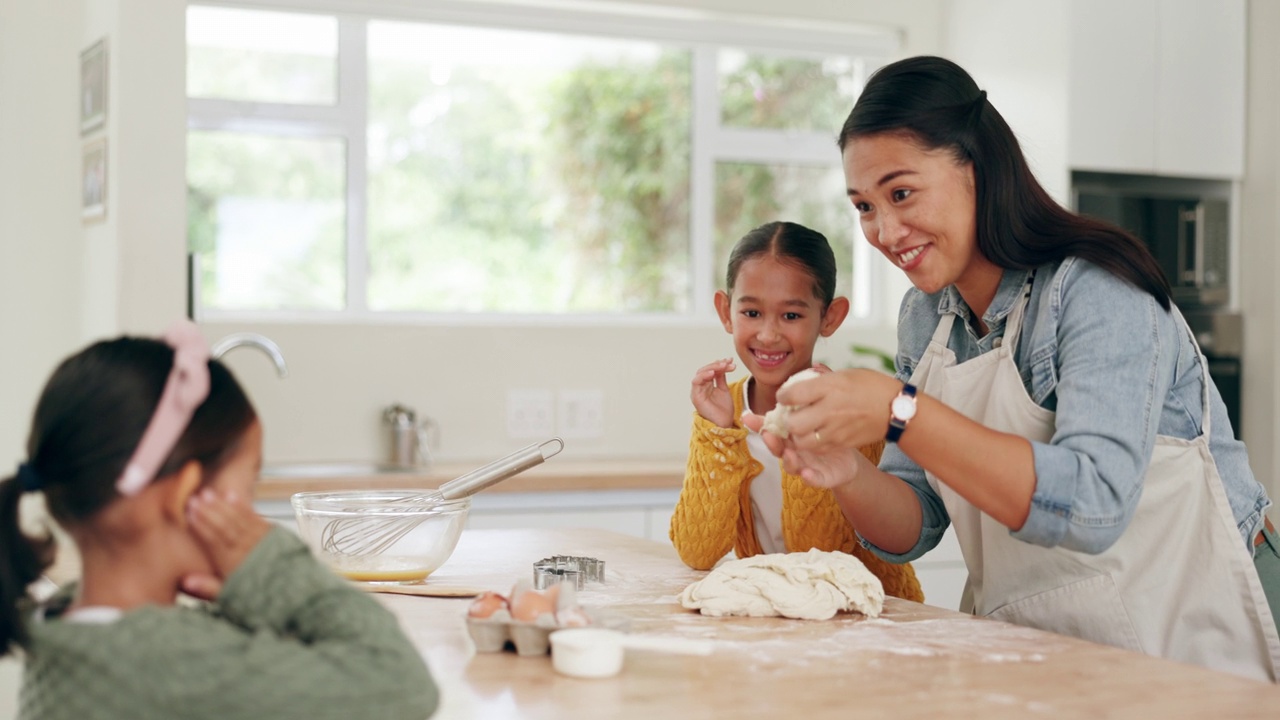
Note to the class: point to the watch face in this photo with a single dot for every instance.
(904, 408)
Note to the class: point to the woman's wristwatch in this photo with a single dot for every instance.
(901, 410)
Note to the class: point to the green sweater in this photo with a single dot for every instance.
(286, 639)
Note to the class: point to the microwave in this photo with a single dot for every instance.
(1186, 229)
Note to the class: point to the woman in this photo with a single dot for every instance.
(1050, 400)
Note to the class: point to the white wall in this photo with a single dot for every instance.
(1260, 262)
(40, 230)
(1018, 52)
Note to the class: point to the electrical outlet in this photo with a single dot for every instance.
(580, 413)
(530, 414)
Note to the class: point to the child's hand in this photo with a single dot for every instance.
(228, 528)
(710, 393)
(201, 586)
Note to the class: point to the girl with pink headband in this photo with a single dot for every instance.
(146, 453)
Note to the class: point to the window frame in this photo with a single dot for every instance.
(703, 33)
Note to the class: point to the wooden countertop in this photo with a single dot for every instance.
(915, 661)
(553, 475)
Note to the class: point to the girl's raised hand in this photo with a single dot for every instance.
(228, 528)
(710, 393)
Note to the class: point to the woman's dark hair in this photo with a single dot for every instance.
(792, 243)
(88, 421)
(937, 104)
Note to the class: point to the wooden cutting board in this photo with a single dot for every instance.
(423, 589)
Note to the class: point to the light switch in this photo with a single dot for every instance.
(580, 413)
(530, 414)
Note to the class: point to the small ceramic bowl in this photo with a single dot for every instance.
(599, 652)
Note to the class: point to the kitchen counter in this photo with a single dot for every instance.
(282, 481)
(915, 661)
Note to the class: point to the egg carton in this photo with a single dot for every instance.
(496, 635)
(526, 638)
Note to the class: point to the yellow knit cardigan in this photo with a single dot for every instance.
(713, 514)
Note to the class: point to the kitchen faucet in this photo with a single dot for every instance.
(262, 342)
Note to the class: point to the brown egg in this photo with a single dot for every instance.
(573, 617)
(487, 604)
(531, 604)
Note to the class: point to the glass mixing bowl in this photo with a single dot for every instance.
(381, 536)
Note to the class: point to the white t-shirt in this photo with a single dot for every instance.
(94, 615)
(766, 488)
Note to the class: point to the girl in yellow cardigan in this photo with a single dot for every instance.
(781, 298)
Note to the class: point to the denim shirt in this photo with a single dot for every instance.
(1117, 370)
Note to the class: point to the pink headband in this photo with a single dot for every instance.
(186, 388)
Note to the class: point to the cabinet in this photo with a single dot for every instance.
(1157, 87)
(942, 572)
(643, 513)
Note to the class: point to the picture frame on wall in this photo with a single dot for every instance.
(93, 87)
(93, 181)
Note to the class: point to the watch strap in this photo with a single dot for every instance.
(897, 424)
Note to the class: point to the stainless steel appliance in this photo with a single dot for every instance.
(1186, 224)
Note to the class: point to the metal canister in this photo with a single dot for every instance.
(408, 444)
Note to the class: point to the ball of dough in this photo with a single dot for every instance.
(775, 421)
(813, 585)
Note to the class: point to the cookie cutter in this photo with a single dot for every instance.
(567, 568)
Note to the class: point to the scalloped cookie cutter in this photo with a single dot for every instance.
(567, 568)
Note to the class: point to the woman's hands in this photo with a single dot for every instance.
(710, 393)
(826, 468)
(845, 409)
(228, 529)
(832, 417)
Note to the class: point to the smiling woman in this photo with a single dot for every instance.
(912, 201)
(1050, 401)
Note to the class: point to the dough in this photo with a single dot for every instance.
(813, 585)
(775, 421)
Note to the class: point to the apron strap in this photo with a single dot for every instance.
(1013, 324)
(1204, 371)
(942, 334)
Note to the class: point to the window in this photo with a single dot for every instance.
(258, 56)
(505, 161)
(549, 176)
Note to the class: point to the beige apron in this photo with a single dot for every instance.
(1179, 582)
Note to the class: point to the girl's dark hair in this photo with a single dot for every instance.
(88, 421)
(937, 104)
(793, 243)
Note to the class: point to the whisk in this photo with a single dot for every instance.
(360, 537)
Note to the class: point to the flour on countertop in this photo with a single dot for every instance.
(970, 639)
